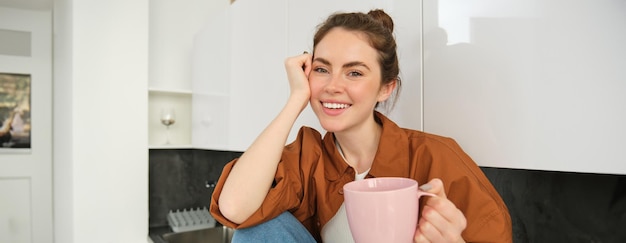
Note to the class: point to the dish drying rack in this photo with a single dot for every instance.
(188, 220)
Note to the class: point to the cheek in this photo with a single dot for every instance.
(366, 91)
(315, 86)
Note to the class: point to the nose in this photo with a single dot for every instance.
(334, 85)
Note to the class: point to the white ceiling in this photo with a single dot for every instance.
(27, 4)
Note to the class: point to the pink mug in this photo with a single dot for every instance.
(383, 209)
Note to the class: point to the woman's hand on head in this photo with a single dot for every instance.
(298, 69)
(440, 220)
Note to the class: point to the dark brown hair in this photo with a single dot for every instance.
(378, 27)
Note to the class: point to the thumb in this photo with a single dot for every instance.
(434, 186)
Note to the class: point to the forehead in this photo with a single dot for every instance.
(342, 46)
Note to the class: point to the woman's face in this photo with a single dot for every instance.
(345, 81)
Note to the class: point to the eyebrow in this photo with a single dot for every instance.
(347, 65)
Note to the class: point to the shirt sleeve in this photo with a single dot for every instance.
(291, 182)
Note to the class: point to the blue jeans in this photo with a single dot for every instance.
(284, 228)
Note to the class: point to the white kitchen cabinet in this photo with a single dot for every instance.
(237, 75)
(173, 25)
(210, 81)
(519, 84)
(529, 84)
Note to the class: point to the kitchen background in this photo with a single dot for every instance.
(540, 110)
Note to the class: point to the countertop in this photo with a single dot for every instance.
(155, 233)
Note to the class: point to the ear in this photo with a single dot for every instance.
(386, 90)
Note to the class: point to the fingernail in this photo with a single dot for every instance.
(426, 187)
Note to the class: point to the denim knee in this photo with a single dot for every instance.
(284, 228)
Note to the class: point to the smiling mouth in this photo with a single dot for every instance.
(335, 105)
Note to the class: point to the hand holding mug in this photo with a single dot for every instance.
(440, 221)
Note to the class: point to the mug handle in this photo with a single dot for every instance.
(421, 193)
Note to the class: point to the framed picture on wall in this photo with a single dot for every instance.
(15, 122)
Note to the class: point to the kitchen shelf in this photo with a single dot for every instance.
(180, 131)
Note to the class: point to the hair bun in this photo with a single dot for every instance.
(382, 17)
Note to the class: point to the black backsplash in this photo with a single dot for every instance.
(548, 206)
(544, 206)
(178, 180)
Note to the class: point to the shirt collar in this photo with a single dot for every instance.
(392, 156)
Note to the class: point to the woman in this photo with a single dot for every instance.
(353, 69)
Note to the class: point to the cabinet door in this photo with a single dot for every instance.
(259, 87)
(211, 75)
(525, 84)
(407, 16)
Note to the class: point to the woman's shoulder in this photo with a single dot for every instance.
(415, 138)
(391, 129)
(432, 139)
(304, 153)
(439, 148)
(307, 137)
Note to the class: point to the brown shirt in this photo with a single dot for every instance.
(312, 172)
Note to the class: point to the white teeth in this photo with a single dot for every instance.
(335, 105)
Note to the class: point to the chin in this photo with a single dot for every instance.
(331, 126)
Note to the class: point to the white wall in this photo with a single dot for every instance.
(100, 114)
(63, 166)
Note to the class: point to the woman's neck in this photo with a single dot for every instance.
(359, 146)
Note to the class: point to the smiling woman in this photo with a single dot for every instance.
(275, 192)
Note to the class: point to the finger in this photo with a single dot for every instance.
(431, 225)
(429, 232)
(434, 186)
(447, 210)
(307, 63)
(302, 62)
(442, 215)
(420, 237)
